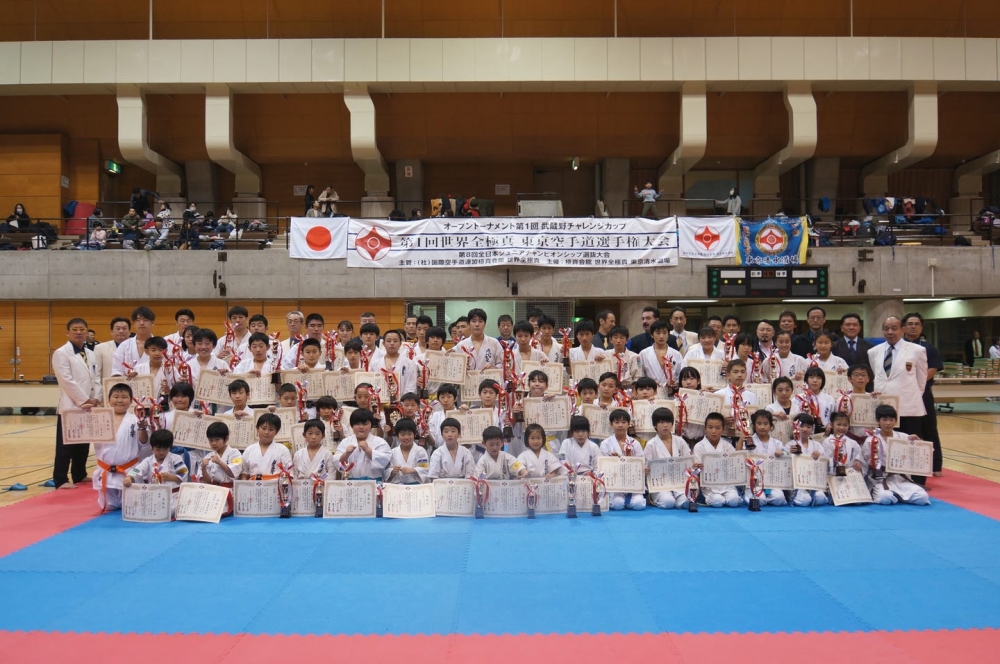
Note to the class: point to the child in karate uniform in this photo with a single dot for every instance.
(665, 445)
(893, 488)
(265, 459)
(451, 459)
(586, 351)
(364, 453)
(821, 405)
(840, 444)
(315, 460)
(691, 380)
(114, 459)
(409, 463)
(713, 443)
(621, 444)
(538, 460)
(160, 468)
(767, 445)
(653, 359)
(579, 450)
(627, 364)
(223, 464)
(496, 464)
(447, 398)
(806, 445)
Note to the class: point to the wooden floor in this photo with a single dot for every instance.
(971, 438)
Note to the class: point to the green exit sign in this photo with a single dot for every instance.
(113, 167)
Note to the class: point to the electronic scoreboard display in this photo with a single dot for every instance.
(767, 282)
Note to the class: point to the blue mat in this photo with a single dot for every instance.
(725, 570)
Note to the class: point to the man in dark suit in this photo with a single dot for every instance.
(804, 344)
(852, 347)
(640, 342)
(973, 349)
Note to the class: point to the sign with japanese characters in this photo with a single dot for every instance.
(483, 241)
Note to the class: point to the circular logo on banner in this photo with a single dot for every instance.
(318, 238)
(373, 243)
(707, 238)
(771, 239)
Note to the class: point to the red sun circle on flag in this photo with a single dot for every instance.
(772, 239)
(373, 243)
(707, 237)
(318, 238)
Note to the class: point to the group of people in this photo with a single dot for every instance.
(415, 437)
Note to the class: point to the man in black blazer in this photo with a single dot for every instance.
(804, 344)
(851, 346)
(974, 348)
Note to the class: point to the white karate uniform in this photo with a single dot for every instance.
(826, 407)
(807, 497)
(832, 363)
(749, 398)
(851, 445)
(323, 464)
(127, 351)
(657, 449)
(231, 457)
(555, 351)
(434, 425)
(791, 365)
(632, 367)
(541, 464)
(256, 462)
(895, 488)
(534, 355)
(213, 364)
(126, 448)
(417, 460)
(611, 446)
(489, 355)
(365, 468)
(442, 464)
(716, 496)
(504, 467)
(653, 367)
(404, 368)
(143, 473)
(769, 448)
(432, 386)
(774, 407)
(248, 365)
(143, 369)
(696, 352)
(572, 453)
(577, 354)
(241, 345)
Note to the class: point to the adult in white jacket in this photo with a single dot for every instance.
(79, 381)
(906, 375)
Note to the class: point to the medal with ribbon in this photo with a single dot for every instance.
(345, 470)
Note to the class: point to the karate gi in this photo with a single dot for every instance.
(129, 352)
(144, 471)
(586, 455)
(807, 497)
(791, 365)
(534, 355)
(716, 496)
(322, 464)
(826, 407)
(504, 467)
(365, 468)
(632, 367)
(847, 443)
(266, 463)
(895, 488)
(652, 367)
(404, 368)
(541, 464)
(768, 448)
(489, 355)
(416, 459)
(442, 464)
(832, 363)
(230, 456)
(577, 354)
(124, 451)
(657, 449)
(611, 446)
(696, 352)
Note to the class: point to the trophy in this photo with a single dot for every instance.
(378, 499)
(330, 339)
(338, 435)
(796, 448)
(285, 490)
(392, 417)
(570, 489)
(692, 487)
(505, 402)
(157, 475)
(391, 384)
(567, 343)
(319, 486)
(840, 456)
(532, 498)
(877, 472)
(624, 401)
(756, 484)
(422, 370)
(277, 354)
(598, 492)
(482, 493)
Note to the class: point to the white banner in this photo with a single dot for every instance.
(707, 237)
(483, 241)
(317, 237)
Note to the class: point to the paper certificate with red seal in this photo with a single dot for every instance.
(712, 372)
(339, 385)
(554, 370)
(668, 474)
(142, 386)
(444, 367)
(190, 430)
(809, 473)
(599, 418)
(777, 471)
(261, 387)
(312, 379)
(96, 425)
(760, 390)
(864, 406)
(242, 431)
(623, 474)
(642, 412)
(909, 457)
(553, 413)
(408, 501)
(581, 370)
(350, 499)
(213, 387)
(288, 416)
(470, 388)
(256, 498)
(474, 421)
(454, 497)
(302, 498)
(849, 489)
(724, 469)
(377, 381)
(201, 502)
(585, 495)
(506, 498)
(700, 404)
(836, 382)
(551, 494)
(147, 503)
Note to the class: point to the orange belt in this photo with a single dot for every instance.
(268, 477)
(109, 468)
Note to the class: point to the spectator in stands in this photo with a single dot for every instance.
(149, 226)
(648, 196)
(733, 205)
(192, 214)
(228, 222)
(98, 237)
(995, 349)
(19, 218)
(416, 214)
(131, 223)
(159, 238)
(327, 201)
(140, 200)
(189, 234)
(310, 199)
(397, 215)
(314, 211)
(166, 214)
(973, 349)
(208, 225)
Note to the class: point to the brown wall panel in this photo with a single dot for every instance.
(32, 177)
(968, 127)
(480, 179)
(933, 183)
(860, 126)
(744, 129)
(292, 128)
(32, 334)
(176, 126)
(346, 178)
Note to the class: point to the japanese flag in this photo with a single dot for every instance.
(318, 237)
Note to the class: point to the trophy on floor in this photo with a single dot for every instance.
(755, 485)
(378, 499)
(482, 493)
(840, 456)
(532, 498)
(692, 487)
(597, 492)
(319, 486)
(571, 490)
(285, 490)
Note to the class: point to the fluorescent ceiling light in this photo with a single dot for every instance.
(691, 301)
(926, 299)
(808, 301)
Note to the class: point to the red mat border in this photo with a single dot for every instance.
(818, 648)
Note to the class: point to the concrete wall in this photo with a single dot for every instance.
(271, 274)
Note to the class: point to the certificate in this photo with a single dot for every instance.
(863, 414)
(349, 499)
(302, 498)
(554, 370)
(712, 372)
(909, 457)
(623, 474)
(142, 386)
(668, 473)
(581, 370)
(849, 489)
(810, 473)
(585, 494)
(312, 380)
(763, 393)
(376, 380)
(96, 425)
(777, 471)
(189, 429)
(599, 418)
(782, 430)
(642, 413)
(454, 497)
(699, 404)
(261, 388)
(553, 413)
(551, 494)
(147, 503)
(470, 388)
(201, 502)
(213, 387)
(288, 417)
(443, 367)
(408, 501)
(725, 469)
(339, 385)
(836, 382)
(474, 421)
(256, 498)
(507, 498)
(242, 432)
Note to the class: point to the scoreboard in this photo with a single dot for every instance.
(767, 282)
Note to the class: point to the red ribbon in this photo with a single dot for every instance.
(844, 403)
(298, 348)
(808, 403)
(874, 442)
(729, 343)
(157, 476)
(230, 337)
(621, 368)
(330, 338)
(391, 385)
(536, 340)
(629, 447)
(813, 362)
(623, 400)
(598, 488)
(422, 372)
(277, 351)
(682, 413)
(692, 478)
(423, 416)
(411, 349)
(668, 368)
(754, 467)
(509, 366)
(839, 451)
(234, 360)
(128, 368)
(471, 362)
(374, 400)
(366, 359)
(574, 396)
(774, 363)
(317, 480)
(567, 340)
(739, 410)
(344, 470)
(503, 410)
(301, 391)
(482, 490)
